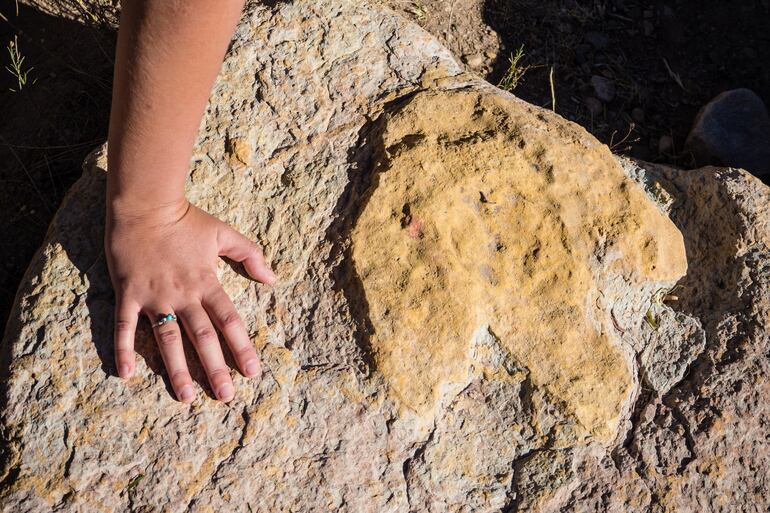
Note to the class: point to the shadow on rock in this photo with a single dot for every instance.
(366, 160)
(721, 287)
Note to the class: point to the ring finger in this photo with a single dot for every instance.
(169, 339)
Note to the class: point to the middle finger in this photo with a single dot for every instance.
(204, 338)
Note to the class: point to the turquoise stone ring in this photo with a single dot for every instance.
(164, 318)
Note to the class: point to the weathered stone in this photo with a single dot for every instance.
(418, 359)
(604, 88)
(733, 129)
(700, 444)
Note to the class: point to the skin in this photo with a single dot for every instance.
(161, 250)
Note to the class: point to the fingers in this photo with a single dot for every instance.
(235, 246)
(169, 339)
(225, 316)
(126, 315)
(200, 330)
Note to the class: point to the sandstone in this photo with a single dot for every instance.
(484, 223)
(475, 309)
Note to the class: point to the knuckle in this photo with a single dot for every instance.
(168, 338)
(204, 335)
(230, 319)
(241, 352)
(210, 281)
(219, 374)
(124, 287)
(123, 327)
(180, 377)
(123, 353)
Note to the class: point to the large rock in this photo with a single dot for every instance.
(472, 313)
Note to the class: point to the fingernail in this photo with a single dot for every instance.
(273, 277)
(187, 393)
(124, 371)
(252, 367)
(225, 392)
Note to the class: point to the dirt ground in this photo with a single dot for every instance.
(633, 73)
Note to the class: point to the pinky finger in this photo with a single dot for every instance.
(126, 315)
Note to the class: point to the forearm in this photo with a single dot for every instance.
(169, 53)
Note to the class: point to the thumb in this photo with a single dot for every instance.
(235, 246)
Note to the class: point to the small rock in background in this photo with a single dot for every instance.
(732, 130)
(594, 106)
(474, 61)
(666, 145)
(597, 40)
(638, 115)
(604, 88)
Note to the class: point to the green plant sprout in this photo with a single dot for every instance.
(17, 66)
(515, 73)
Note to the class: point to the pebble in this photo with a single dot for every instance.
(649, 28)
(475, 61)
(597, 40)
(594, 106)
(604, 88)
(583, 53)
(666, 145)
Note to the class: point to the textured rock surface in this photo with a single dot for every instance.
(484, 224)
(324, 112)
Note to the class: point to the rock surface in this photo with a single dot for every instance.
(472, 313)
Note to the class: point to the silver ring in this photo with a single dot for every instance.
(163, 319)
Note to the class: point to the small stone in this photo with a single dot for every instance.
(597, 39)
(594, 106)
(637, 114)
(583, 53)
(666, 145)
(733, 130)
(474, 61)
(648, 27)
(604, 88)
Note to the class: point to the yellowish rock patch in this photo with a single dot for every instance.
(484, 214)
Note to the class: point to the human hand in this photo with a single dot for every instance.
(164, 261)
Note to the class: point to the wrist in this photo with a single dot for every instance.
(138, 211)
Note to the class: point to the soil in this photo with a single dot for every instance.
(48, 127)
(633, 73)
